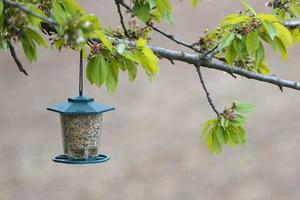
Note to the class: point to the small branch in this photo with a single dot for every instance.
(121, 17)
(169, 36)
(206, 90)
(15, 57)
(211, 52)
(23, 8)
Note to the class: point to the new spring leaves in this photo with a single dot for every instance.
(246, 34)
(228, 128)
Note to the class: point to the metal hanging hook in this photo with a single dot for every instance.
(81, 73)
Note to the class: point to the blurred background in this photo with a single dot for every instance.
(153, 136)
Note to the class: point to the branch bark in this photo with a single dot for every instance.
(196, 59)
(210, 101)
(291, 23)
(15, 57)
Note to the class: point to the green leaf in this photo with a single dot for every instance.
(220, 134)
(230, 54)
(239, 45)
(296, 35)
(224, 122)
(234, 19)
(267, 18)
(145, 56)
(36, 37)
(295, 8)
(132, 70)
(270, 29)
(260, 55)
(284, 35)
(59, 13)
(216, 142)
(252, 42)
(282, 49)
(1, 7)
(97, 70)
(226, 41)
(142, 11)
(165, 9)
(239, 119)
(35, 21)
(112, 79)
(206, 126)
(29, 49)
(72, 7)
(209, 141)
(194, 3)
(243, 107)
(1, 22)
(249, 8)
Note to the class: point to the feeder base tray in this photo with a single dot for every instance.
(92, 160)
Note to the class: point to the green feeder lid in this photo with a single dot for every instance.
(80, 105)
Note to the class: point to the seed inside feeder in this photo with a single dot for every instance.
(81, 135)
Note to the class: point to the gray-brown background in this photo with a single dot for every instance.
(152, 137)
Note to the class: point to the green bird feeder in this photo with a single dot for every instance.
(81, 123)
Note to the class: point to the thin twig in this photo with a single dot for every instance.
(211, 103)
(121, 17)
(211, 52)
(23, 8)
(169, 36)
(16, 59)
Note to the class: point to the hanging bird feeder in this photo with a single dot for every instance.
(81, 123)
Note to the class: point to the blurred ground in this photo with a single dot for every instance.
(152, 137)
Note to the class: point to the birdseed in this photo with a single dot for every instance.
(81, 135)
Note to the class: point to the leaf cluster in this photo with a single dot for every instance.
(228, 128)
(242, 37)
(105, 63)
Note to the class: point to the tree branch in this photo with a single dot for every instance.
(121, 17)
(196, 59)
(206, 90)
(23, 8)
(169, 36)
(16, 59)
(291, 23)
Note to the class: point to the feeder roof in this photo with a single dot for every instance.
(80, 105)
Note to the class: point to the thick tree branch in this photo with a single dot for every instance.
(16, 59)
(211, 103)
(196, 59)
(291, 23)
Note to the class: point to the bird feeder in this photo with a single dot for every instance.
(81, 123)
